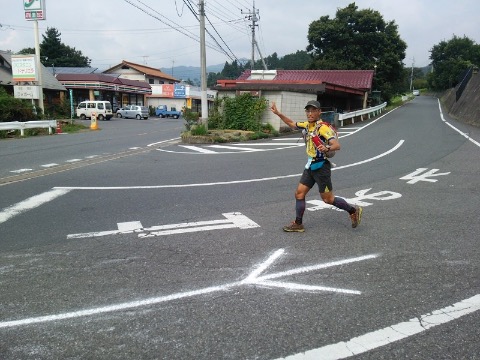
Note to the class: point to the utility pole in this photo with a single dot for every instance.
(203, 65)
(39, 66)
(253, 16)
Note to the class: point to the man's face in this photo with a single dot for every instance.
(313, 114)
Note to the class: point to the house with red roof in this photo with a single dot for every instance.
(337, 90)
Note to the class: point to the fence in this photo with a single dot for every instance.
(352, 115)
(19, 125)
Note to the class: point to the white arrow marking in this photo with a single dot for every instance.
(232, 220)
(416, 177)
(252, 279)
(359, 200)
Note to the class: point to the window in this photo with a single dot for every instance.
(151, 81)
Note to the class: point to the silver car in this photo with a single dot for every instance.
(133, 112)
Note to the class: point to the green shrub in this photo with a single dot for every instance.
(12, 109)
(199, 130)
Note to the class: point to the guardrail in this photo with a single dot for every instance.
(20, 125)
(352, 115)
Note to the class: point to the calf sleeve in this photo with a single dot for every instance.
(299, 210)
(342, 204)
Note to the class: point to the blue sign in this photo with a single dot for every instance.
(179, 91)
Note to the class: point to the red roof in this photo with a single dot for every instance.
(101, 78)
(357, 79)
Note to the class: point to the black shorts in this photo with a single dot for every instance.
(322, 177)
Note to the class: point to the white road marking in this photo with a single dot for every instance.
(417, 175)
(30, 203)
(49, 165)
(91, 156)
(454, 128)
(73, 160)
(232, 220)
(240, 148)
(198, 149)
(130, 226)
(66, 189)
(19, 171)
(359, 200)
(390, 334)
(164, 141)
(252, 279)
(396, 147)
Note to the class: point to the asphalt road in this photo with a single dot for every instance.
(145, 248)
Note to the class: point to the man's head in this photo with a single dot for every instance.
(313, 111)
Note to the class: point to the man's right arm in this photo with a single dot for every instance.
(292, 124)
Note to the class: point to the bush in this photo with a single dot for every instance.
(12, 109)
(198, 130)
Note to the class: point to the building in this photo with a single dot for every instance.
(337, 90)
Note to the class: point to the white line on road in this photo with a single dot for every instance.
(163, 141)
(30, 203)
(390, 334)
(198, 149)
(251, 279)
(454, 128)
(396, 147)
(19, 171)
(49, 165)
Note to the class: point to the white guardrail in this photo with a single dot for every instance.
(20, 125)
(371, 110)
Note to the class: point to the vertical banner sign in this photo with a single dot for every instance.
(70, 91)
(34, 9)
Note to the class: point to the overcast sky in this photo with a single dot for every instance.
(165, 33)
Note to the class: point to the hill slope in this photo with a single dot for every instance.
(467, 108)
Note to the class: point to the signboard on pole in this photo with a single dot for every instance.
(34, 9)
(26, 92)
(23, 68)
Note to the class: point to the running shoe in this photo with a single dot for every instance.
(294, 227)
(356, 217)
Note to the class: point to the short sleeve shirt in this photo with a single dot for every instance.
(325, 133)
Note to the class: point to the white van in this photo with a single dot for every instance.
(103, 110)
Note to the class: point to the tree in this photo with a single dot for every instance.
(54, 52)
(450, 59)
(359, 40)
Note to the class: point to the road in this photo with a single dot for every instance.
(147, 248)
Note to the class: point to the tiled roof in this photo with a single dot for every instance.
(144, 69)
(101, 78)
(357, 79)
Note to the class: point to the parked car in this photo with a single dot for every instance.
(133, 112)
(102, 110)
(162, 111)
(416, 92)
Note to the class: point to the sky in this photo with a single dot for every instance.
(165, 33)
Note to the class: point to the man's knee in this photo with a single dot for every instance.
(328, 198)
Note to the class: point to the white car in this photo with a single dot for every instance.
(133, 112)
(416, 92)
